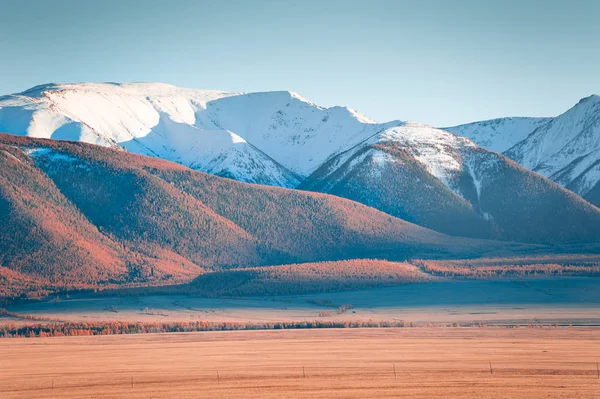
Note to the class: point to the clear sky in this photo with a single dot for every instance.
(439, 62)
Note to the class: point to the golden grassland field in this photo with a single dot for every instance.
(334, 363)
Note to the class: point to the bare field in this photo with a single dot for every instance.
(444, 363)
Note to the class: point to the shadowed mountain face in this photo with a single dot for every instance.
(438, 180)
(78, 215)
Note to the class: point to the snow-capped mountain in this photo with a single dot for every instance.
(565, 149)
(295, 132)
(439, 180)
(422, 174)
(274, 138)
(145, 118)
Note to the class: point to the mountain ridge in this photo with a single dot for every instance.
(565, 148)
(282, 139)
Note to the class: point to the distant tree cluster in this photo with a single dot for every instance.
(119, 327)
(122, 327)
(491, 268)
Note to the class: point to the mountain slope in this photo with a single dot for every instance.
(436, 179)
(38, 223)
(565, 149)
(78, 215)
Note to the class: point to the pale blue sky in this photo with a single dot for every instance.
(437, 62)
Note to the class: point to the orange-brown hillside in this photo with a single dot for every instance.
(79, 215)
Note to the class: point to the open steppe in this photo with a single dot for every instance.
(333, 363)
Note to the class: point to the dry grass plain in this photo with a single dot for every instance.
(429, 362)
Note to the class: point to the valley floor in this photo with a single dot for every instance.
(358, 363)
(566, 301)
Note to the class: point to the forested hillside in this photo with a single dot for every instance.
(76, 215)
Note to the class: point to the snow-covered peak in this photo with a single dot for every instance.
(280, 132)
(188, 125)
(439, 151)
(575, 132)
(500, 134)
(565, 148)
(292, 130)
(152, 119)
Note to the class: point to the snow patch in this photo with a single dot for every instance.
(437, 150)
(49, 154)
